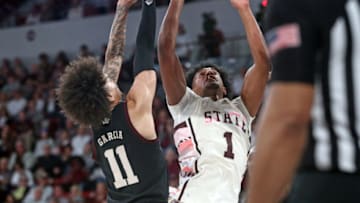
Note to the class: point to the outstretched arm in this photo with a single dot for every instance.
(115, 48)
(143, 89)
(257, 76)
(171, 71)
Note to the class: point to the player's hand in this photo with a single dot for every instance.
(126, 3)
(240, 4)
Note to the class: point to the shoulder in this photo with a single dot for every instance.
(239, 104)
(189, 97)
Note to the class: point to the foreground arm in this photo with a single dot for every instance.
(283, 127)
(257, 76)
(115, 48)
(283, 131)
(171, 71)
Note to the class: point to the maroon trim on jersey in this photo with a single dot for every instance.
(133, 128)
(196, 167)
(182, 190)
(193, 133)
(93, 150)
(181, 125)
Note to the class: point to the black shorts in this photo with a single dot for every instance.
(316, 187)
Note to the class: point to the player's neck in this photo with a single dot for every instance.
(213, 94)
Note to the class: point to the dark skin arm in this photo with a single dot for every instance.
(257, 76)
(282, 138)
(170, 67)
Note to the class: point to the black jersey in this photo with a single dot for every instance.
(135, 168)
(317, 42)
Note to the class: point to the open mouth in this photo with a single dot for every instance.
(210, 78)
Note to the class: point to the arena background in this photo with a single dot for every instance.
(38, 160)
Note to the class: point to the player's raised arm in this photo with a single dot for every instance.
(115, 49)
(142, 92)
(171, 71)
(257, 76)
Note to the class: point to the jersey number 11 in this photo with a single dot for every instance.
(119, 180)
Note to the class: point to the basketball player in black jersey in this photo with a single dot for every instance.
(310, 125)
(127, 148)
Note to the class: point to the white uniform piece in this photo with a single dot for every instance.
(212, 139)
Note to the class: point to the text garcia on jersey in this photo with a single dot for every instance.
(109, 136)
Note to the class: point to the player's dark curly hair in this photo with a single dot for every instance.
(82, 94)
(224, 76)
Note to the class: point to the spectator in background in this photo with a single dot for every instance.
(88, 156)
(42, 142)
(41, 180)
(212, 38)
(21, 190)
(62, 137)
(33, 115)
(101, 6)
(172, 165)
(100, 193)
(61, 9)
(61, 61)
(10, 199)
(79, 141)
(76, 10)
(8, 137)
(47, 11)
(21, 154)
(37, 196)
(66, 154)
(84, 51)
(25, 127)
(3, 115)
(75, 195)
(51, 163)
(18, 173)
(34, 16)
(12, 84)
(16, 104)
(76, 172)
(19, 70)
(160, 122)
(44, 69)
(5, 175)
(3, 101)
(59, 195)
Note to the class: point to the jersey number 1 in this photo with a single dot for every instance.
(229, 152)
(120, 181)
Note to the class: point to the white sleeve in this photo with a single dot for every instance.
(186, 106)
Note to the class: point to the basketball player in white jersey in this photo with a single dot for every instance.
(211, 131)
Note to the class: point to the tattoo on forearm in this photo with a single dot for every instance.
(115, 49)
(112, 68)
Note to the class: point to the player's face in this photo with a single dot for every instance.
(208, 79)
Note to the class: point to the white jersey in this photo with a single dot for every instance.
(212, 139)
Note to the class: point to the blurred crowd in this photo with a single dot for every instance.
(28, 12)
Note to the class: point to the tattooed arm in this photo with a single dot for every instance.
(115, 49)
